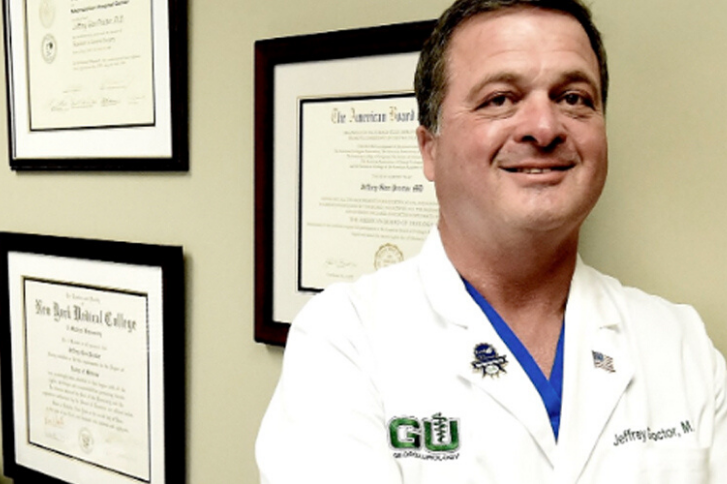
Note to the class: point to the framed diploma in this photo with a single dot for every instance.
(92, 361)
(97, 84)
(339, 189)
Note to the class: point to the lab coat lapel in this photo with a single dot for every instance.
(512, 389)
(597, 370)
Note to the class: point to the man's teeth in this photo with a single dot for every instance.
(537, 171)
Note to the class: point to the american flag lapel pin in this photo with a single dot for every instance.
(604, 362)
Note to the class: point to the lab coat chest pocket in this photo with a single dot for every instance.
(674, 466)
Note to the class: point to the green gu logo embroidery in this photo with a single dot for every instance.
(441, 434)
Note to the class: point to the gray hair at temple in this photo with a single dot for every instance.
(430, 82)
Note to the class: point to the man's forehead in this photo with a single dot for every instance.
(482, 32)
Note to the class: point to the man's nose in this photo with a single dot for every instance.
(540, 123)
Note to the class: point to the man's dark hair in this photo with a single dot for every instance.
(430, 82)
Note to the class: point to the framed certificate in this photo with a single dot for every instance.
(92, 361)
(97, 84)
(339, 189)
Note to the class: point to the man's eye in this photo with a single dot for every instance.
(498, 100)
(575, 99)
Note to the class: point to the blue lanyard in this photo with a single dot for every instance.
(551, 391)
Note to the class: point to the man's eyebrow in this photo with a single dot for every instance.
(579, 76)
(496, 77)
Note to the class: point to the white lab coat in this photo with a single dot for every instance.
(400, 343)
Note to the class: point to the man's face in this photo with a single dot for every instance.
(522, 139)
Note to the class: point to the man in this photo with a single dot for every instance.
(497, 355)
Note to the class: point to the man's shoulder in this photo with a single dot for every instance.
(644, 310)
(632, 294)
(384, 290)
(397, 282)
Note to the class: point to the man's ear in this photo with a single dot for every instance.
(428, 149)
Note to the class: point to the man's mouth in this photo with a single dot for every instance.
(537, 171)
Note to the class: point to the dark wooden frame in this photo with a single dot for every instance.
(179, 111)
(269, 53)
(170, 260)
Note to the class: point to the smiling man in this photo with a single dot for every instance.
(497, 355)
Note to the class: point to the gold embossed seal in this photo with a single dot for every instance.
(386, 255)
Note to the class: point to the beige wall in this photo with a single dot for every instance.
(659, 224)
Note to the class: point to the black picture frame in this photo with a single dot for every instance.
(269, 55)
(73, 264)
(159, 142)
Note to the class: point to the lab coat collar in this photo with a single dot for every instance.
(594, 325)
(443, 285)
